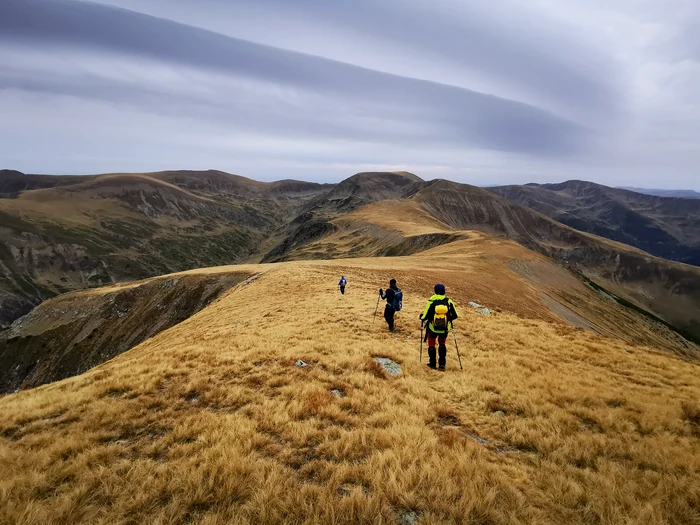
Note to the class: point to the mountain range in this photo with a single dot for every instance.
(668, 227)
(65, 233)
(70, 232)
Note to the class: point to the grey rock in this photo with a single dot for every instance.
(390, 366)
(251, 280)
(409, 517)
(500, 413)
(300, 363)
(475, 305)
(338, 393)
(484, 311)
(477, 439)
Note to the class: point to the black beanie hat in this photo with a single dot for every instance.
(439, 289)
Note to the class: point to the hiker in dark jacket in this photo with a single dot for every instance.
(342, 284)
(439, 314)
(390, 296)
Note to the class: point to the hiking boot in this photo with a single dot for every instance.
(442, 351)
(431, 354)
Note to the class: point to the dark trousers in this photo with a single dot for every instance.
(389, 315)
(441, 339)
(342, 289)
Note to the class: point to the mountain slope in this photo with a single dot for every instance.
(117, 227)
(669, 290)
(441, 211)
(69, 334)
(665, 227)
(74, 332)
(95, 230)
(365, 188)
(211, 422)
(315, 219)
(13, 182)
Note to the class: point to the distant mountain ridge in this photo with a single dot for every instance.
(663, 226)
(683, 194)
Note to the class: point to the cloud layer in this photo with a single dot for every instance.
(318, 90)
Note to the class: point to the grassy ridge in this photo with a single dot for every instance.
(211, 422)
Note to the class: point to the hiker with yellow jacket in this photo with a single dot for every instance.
(439, 314)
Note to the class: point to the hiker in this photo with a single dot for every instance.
(342, 284)
(394, 302)
(439, 314)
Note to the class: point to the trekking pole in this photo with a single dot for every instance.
(375, 310)
(421, 342)
(457, 347)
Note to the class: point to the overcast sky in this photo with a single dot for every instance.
(479, 92)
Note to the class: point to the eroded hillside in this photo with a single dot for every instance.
(666, 227)
(212, 422)
(59, 234)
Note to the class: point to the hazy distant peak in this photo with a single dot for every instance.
(685, 194)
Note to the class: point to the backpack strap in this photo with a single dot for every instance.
(451, 312)
(431, 312)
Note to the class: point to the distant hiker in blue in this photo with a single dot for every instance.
(342, 284)
(394, 302)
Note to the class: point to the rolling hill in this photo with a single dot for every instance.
(59, 234)
(663, 226)
(211, 421)
(62, 233)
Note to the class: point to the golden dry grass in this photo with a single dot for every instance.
(399, 215)
(211, 422)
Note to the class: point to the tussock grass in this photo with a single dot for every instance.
(211, 422)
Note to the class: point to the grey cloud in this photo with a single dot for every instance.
(483, 36)
(459, 114)
(586, 88)
(513, 45)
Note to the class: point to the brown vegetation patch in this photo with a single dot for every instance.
(499, 404)
(115, 393)
(691, 414)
